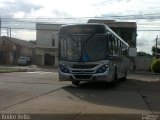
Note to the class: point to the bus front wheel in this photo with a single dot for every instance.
(125, 75)
(75, 83)
(113, 83)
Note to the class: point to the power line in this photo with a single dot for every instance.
(19, 28)
(46, 29)
(88, 17)
(149, 30)
(49, 21)
(48, 17)
(37, 20)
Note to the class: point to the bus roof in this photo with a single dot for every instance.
(83, 24)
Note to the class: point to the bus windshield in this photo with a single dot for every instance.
(83, 48)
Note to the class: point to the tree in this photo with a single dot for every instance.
(154, 49)
(155, 66)
(142, 53)
(32, 41)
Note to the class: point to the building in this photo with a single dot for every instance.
(46, 50)
(11, 49)
(126, 30)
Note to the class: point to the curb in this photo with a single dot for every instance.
(147, 73)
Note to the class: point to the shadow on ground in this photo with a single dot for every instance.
(131, 94)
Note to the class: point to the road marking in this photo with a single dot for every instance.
(32, 98)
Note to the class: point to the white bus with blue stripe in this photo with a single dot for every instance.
(91, 52)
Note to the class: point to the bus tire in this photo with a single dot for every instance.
(125, 75)
(113, 83)
(76, 83)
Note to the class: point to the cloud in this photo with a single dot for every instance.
(21, 34)
(145, 40)
(12, 7)
(144, 12)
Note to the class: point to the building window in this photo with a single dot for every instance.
(53, 42)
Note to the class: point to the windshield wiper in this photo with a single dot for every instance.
(71, 37)
(88, 39)
(76, 42)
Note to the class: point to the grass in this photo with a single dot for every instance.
(10, 69)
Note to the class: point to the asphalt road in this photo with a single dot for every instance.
(40, 95)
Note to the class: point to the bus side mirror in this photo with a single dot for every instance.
(132, 52)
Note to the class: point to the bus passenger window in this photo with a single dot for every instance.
(120, 48)
(125, 52)
(115, 48)
(110, 50)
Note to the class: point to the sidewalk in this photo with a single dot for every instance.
(43, 68)
(31, 68)
(144, 72)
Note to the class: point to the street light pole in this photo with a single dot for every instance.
(10, 31)
(0, 27)
(156, 44)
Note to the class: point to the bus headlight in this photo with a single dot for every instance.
(102, 69)
(63, 69)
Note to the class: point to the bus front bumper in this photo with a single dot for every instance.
(85, 77)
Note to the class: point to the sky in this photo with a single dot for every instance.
(25, 13)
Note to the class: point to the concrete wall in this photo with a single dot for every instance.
(44, 38)
(40, 56)
(143, 62)
(26, 52)
(45, 34)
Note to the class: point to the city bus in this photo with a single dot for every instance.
(91, 52)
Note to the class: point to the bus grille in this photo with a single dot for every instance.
(84, 66)
(82, 71)
(82, 76)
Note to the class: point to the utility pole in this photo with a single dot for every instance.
(0, 27)
(10, 31)
(156, 44)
